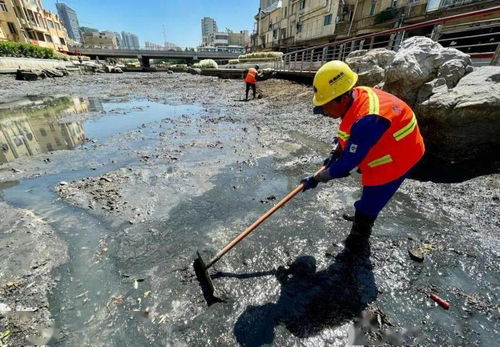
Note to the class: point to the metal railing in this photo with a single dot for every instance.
(480, 39)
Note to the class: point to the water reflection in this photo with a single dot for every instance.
(33, 125)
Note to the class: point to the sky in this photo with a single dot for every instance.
(146, 18)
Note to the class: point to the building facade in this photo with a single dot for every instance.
(287, 25)
(158, 47)
(208, 27)
(27, 21)
(70, 21)
(100, 39)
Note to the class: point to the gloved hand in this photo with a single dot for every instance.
(309, 183)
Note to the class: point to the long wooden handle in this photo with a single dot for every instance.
(257, 223)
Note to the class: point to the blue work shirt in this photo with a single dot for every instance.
(365, 133)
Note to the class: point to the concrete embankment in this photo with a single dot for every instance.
(11, 64)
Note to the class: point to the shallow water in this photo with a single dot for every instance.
(132, 284)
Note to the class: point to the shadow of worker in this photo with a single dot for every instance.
(311, 301)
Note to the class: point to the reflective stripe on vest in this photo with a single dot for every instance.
(373, 100)
(343, 135)
(406, 130)
(399, 148)
(386, 159)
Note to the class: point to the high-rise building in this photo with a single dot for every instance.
(119, 41)
(130, 41)
(70, 21)
(208, 26)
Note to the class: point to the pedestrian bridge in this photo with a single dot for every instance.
(144, 55)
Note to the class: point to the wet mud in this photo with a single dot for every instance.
(172, 164)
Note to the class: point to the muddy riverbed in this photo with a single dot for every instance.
(102, 217)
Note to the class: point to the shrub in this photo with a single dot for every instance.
(261, 56)
(25, 50)
(206, 64)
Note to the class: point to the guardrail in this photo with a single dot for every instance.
(480, 39)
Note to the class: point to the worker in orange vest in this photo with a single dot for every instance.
(251, 81)
(378, 133)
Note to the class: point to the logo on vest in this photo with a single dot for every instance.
(353, 148)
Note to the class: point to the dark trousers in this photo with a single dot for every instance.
(254, 89)
(374, 198)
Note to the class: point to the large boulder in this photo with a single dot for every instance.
(463, 123)
(370, 65)
(419, 61)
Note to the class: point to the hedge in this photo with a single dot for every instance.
(25, 50)
(269, 56)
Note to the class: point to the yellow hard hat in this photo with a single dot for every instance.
(332, 80)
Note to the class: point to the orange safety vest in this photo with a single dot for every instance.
(400, 147)
(251, 76)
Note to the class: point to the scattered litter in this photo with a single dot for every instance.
(5, 335)
(118, 300)
(444, 304)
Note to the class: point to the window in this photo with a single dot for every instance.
(48, 38)
(302, 4)
(18, 140)
(327, 20)
(3, 7)
(62, 41)
(372, 8)
(43, 132)
(394, 3)
(12, 28)
(275, 34)
(51, 24)
(49, 147)
(299, 28)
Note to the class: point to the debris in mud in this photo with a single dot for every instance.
(268, 199)
(441, 302)
(418, 252)
(103, 192)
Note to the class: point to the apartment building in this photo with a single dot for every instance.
(28, 21)
(100, 39)
(290, 24)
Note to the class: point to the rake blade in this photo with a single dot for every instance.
(204, 279)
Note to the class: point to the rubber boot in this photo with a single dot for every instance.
(360, 232)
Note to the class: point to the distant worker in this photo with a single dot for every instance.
(378, 133)
(251, 81)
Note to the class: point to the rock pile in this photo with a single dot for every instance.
(457, 106)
